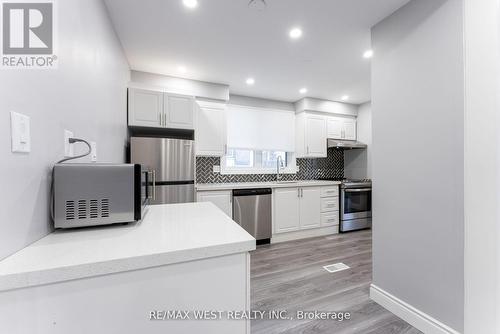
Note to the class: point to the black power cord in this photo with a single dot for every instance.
(71, 141)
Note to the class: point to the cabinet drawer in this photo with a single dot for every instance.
(329, 204)
(330, 191)
(330, 218)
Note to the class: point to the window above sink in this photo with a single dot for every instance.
(245, 161)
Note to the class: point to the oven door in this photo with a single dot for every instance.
(356, 203)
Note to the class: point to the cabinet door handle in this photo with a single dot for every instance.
(308, 149)
(298, 192)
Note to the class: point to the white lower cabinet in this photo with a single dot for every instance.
(286, 210)
(222, 199)
(310, 207)
(297, 209)
(330, 218)
(302, 211)
(330, 207)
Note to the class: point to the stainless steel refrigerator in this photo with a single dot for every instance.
(173, 163)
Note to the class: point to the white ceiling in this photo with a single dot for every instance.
(225, 41)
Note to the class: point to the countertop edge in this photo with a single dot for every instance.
(81, 271)
(243, 185)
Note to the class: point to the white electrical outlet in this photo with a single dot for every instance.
(69, 150)
(216, 169)
(93, 151)
(20, 131)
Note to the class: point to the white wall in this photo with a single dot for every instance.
(482, 153)
(86, 94)
(418, 158)
(358, 163)
(256, 102)
(200, 89)
(331, 107)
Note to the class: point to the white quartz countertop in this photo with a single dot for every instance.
(168, 234)
(251, 185)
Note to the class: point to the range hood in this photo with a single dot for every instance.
(345, 144)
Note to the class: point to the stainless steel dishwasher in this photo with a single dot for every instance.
(252, 210)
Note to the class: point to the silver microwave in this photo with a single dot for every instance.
(100, 194)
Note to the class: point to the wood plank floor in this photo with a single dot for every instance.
(290, 276)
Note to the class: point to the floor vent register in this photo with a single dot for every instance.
(333, 268)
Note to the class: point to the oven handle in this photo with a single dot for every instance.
(357, 190)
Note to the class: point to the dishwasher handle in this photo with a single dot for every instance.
(252, 192)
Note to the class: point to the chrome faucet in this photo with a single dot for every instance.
(279, 164)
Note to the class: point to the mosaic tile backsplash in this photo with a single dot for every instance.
(309, 169)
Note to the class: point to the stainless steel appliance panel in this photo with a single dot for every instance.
(252, 210)
(174, 193)
(356, 203)
(98, 194)
(356, 224)
(172, 159)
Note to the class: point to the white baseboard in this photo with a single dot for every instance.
(408, 313)
(315, 232)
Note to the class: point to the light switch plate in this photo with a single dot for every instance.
(20, 131)
(68, 148)
(93, 151)
(216, 169)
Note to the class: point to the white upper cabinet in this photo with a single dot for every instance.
(145, 107)
(311, 136)
(158, 109)
(179, 111)
(341, 128)
(350, 129)
(334, 127)
(210, 131)
(316, 136)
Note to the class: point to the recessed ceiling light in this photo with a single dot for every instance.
(368, 54)
(182, 69)
(345, 97)
(250, 81)
(295, 33)
(257, 4)
(303, 90)
(190, 3)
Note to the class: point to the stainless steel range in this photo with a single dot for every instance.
(355, 205)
